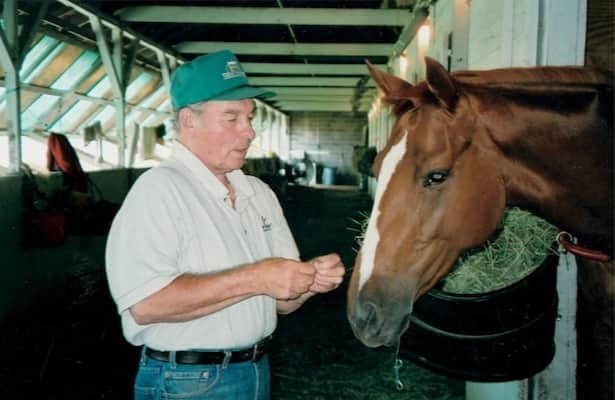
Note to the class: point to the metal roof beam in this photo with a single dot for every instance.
(288, 49)
(265, 15)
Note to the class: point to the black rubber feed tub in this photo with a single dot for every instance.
(497, 336)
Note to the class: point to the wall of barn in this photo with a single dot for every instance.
(42, 272)
(328, 138)
(480, 34)
(502, 34)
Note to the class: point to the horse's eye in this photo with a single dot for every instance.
(435, 177)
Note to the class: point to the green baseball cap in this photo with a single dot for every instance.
(215, 76)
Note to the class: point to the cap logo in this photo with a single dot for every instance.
(233, 70)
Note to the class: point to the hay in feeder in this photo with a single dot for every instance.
(519, 247)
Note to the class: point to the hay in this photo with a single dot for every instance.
(359, 226)
(519, 247)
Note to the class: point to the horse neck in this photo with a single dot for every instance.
(559, 164)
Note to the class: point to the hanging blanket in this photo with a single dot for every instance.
(61, 156)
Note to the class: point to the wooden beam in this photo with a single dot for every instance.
(266, 15)
(309, 81)
(306, 69)
(318, 91)
(320, 107)
(320, 103)
(80, 96)
(311, 97)
(289, 49)
(89, 11)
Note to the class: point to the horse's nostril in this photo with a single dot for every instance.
(369, 311)
(367, 316)
(364, 314)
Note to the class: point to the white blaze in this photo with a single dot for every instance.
(372, 236)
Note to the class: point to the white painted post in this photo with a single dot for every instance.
(558, 380)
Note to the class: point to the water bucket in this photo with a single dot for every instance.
(328, 175)
(497, 336)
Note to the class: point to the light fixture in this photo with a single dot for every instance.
(424, 33)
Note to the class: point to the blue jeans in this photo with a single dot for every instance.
(226, 381)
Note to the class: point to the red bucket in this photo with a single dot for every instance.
(47, 229)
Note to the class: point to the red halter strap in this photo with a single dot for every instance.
(565, 241)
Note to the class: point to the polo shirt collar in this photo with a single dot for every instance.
(237, 178)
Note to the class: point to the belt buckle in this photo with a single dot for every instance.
(256, 352)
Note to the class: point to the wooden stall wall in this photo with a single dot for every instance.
(600, 36)
(41, 272)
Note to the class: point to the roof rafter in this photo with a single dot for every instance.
(307, 81)
(273, 48)
(306, 69)
(266, 15)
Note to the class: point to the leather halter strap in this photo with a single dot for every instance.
(565, 241)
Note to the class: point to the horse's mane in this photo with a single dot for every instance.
(536, 75)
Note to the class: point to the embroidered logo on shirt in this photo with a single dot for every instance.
(266, 225)
(233, 70)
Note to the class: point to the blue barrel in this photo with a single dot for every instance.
(328, 176)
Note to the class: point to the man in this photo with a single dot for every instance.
(200, 257)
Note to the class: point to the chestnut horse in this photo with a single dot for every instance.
(464, 146)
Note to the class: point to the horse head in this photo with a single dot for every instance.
(438, 194)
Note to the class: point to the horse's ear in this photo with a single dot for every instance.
(440, 82)
(390, 85)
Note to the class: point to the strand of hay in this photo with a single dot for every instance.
(519, 247)
(360, 228)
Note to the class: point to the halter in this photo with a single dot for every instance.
(565, 243)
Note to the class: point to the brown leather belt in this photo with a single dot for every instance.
(253, 353)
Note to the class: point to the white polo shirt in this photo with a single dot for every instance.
(177, 220)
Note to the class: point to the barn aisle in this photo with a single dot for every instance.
(70, 345)
(316, 356)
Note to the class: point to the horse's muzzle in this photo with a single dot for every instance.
(380, 323)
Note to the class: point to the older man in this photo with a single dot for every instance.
(200, 256)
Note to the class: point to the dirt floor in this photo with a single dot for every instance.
(317, 356)
(70, 346)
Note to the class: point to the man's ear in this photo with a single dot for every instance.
(186, 118)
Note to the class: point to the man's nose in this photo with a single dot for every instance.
(248, 130)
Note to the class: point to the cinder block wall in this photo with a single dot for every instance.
(329, 139)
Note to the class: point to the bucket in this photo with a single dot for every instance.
(47, 229)
(328, 175)
(503, 335)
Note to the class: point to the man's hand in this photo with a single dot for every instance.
(329, 273)
(285, 279)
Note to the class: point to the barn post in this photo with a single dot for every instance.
(13, 48)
